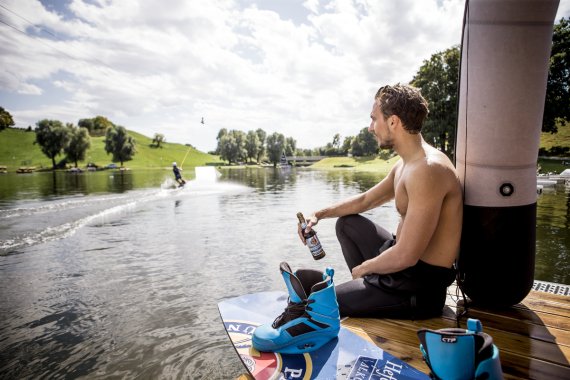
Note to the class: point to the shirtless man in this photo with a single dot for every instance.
(404, 275)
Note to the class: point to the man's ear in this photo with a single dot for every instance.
(394, 122)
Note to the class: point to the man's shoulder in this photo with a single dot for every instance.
(435, 171)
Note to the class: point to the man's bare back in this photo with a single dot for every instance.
(444, 199)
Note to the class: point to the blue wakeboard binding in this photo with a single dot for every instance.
(311, 318)
(461, 354)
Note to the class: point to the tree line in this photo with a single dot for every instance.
(238, 146)
(256, 146)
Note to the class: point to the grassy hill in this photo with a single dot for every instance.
(17, 149)
(560, 139)
(357, 163)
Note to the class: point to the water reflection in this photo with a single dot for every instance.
(264, 179)
(49, 185)
(120, 277)
(553, 235)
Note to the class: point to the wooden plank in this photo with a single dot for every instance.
(537, 301)
(545, 312)
(405, 332)
(520, 367)
(533, 294)
(399, 338)
(540, 326)
(558, 298)
(545, 306)
(532, 330)
(526, 315)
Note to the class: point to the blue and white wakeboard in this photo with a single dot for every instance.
(346, 357)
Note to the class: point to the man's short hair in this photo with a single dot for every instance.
(406, 102)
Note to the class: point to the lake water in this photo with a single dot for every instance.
(118, 275)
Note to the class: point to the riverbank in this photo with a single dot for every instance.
(545, 165)
(361, 164)
(357, 164)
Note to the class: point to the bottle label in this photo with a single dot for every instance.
(314, 245)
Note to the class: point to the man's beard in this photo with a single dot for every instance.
(386, 144)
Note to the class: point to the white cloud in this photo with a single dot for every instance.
(160, 67)
(312, 5)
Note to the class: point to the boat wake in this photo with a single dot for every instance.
(35, 222)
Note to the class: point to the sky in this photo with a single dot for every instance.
(305, 68)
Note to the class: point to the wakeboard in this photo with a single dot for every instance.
(346, 357)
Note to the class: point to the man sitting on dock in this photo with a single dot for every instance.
(404, 275)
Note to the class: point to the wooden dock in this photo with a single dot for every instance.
(533, 337)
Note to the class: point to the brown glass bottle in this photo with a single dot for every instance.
(312, 240)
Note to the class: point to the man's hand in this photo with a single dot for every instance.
(311, 221)
(358, 271)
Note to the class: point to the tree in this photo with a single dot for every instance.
(557, 102)
(229, 149)
(333, 148)
(226, 148)
(252, 144)
(221, 134)
(240, 137)
(6, 119)
(275, 147)
(78, 144)
(119, 144)
(52, 136)
(364, 144)
(346, 144)
(231, 146)
(290, 146)
(336, 141)
(96, 126)
(262, 135)
(157, 140)
(437, 80)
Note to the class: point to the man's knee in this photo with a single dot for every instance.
(343, 221)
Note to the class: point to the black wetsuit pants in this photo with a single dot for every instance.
(417, 292)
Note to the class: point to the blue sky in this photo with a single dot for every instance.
(305, 68)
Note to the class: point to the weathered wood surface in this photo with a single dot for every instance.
(533, 337)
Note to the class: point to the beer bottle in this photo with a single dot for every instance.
(311, 238)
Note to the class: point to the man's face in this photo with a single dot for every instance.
(379, 127)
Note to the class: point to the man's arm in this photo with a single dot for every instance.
(373, 197)
(425, 198)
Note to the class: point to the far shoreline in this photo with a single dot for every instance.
(371, 164)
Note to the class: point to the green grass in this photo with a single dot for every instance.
(17, 149)
(560, 139)
(368, 164)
